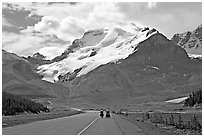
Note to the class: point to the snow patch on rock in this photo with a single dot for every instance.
(155, 67)
(177, 100)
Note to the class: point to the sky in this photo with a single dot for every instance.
(49, 28)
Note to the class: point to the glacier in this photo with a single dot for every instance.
(117, 44)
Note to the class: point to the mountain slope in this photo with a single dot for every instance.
(37, 59)
(191, 41)
(20, 77)
(13, 104)
(157, 71)
(116, 44)
(126, 67)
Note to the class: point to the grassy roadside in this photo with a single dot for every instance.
(158, 128)
(147, 128)
(8, 121)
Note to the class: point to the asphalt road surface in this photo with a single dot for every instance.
(82, 124)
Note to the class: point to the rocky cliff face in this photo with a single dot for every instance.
(38, 56)
(191, 41)
(37, 59)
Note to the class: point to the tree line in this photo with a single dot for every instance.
(194, 98)
(15, 104)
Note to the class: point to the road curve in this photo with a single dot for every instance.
(81, 124)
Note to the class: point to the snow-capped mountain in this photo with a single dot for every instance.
(157, 70)
(96, 48)
(191, 41)
(91, 38)
(125, 64)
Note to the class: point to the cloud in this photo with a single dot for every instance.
(8, 27)
(47, 23)
(69, 26)
(106, 12)
(66, 22)
(58, 10)
(25, 44)
(151, 5)
(167, 17)
(21, 44)
(66, 29)
(40, 22)
(5, 21)
(51, 52)
(19, 17)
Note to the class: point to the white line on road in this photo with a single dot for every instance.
(87, 126)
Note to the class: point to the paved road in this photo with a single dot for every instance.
(83, 124)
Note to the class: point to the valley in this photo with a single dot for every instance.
(150, 84)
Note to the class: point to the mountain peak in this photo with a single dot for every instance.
(200, 26)
(94, 32)
(96, 48)
(38, 56)
(191, 41)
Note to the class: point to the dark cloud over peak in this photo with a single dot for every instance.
(18, 18)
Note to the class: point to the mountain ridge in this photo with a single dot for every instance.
(155, 69)
(117, 65)
(117, 44)
(145, 80)
(191, 41)
(20, 77)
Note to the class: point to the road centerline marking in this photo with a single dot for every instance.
(88, 126)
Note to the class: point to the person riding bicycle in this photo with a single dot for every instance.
(101, 114)
(107, 113)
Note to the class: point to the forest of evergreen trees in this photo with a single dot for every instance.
(14, 104)
(194, 98)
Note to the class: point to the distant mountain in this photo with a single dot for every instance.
(120, 65)
(38, 56)
(158, 70)
(96, 48)
(191, 41)
(20, 77)
(93, 37)
(48, 41)
(90, 38)
(37, 59)
(10, 57)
